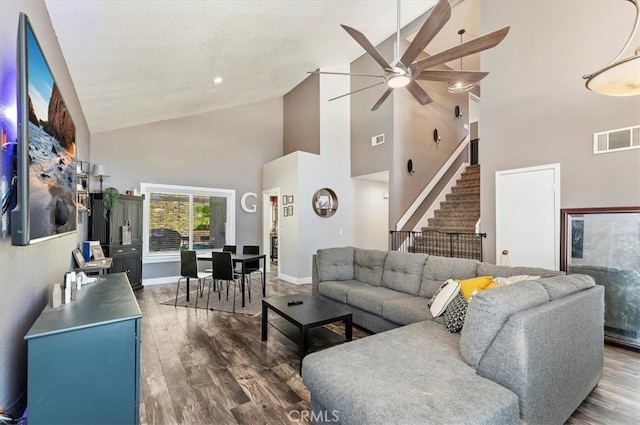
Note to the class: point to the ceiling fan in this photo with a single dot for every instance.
(404, 72)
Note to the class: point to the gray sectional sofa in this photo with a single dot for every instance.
(530, 352)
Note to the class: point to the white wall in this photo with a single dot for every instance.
(536, 110)
(371, 213)
(301, 174)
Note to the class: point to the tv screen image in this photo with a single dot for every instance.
(49, 185)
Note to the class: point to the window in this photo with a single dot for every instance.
(183, 217)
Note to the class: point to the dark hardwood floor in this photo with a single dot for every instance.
(209, 367)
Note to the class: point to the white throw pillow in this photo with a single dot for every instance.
(443, 297)
(504, 281)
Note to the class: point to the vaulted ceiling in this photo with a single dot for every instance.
(136, 62)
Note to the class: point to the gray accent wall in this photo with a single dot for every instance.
(27, 274)
(223, 149)
(536, 110)
(301, 121)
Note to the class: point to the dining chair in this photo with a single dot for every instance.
(189, 270)
(223, 271)
(229, 248)
(253, 266)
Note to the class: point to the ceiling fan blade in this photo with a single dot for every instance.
(469, 77)
(345, 73)
(476, 45)
(384, 97)
(367, 46)
(356, 91)
(418, 92)
(439, 16)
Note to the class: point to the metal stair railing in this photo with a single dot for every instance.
(442, 244)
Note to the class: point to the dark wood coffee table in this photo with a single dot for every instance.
(303, 323)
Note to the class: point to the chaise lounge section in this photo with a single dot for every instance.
(528, 352)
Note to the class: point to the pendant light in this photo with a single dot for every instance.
(622, 76)
(460, 86)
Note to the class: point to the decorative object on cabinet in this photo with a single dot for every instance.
(120, 233)
(110, 199)
(324, 202)
(98, 171)
(604, 243)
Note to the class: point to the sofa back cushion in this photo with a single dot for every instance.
(486, 269)
(439, 269)
(489, 310)
(561, 286)
(335, 263)
(403, 271)
(369, 264)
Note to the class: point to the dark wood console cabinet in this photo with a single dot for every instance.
(126, 257)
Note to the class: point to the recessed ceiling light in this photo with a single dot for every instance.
(217, 80)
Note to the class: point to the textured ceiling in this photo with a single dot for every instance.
(136, 62)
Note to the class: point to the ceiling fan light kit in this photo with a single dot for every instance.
(405, 72)
(622, 76)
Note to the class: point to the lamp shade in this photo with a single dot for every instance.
(98, 170)
(619, 79)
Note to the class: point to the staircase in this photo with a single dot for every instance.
(452, 231)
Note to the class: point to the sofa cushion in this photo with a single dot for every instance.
(507, 271)
(372, 298)
(370, 381)
(406, 310)
(439, 269)
(558, 287)
(335, 263)
(504, 281)
(403, 271)
(489, 310)
(369, 264)
(337, 289)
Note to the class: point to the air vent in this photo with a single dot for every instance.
(377, 140)
(617, 140)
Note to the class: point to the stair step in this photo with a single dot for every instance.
(452, 222)
(467, 205)
(471, 188)
(453, 229)
(469, 197)
(467, 182)
(458, 213)
(445, 252)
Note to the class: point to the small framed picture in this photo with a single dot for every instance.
(290, 209)
(96, 252)
(284, 199)
(285, 211)
(289, 199)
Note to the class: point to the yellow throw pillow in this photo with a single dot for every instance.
(468, 286)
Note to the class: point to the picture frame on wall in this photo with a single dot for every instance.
(289, 199)
(284, 199)
(290, 208)
(285, 211)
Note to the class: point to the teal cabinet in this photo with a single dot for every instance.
(83, 358)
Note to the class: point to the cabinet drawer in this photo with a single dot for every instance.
(124, 249)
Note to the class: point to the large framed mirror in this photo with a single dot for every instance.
(605, 244)
(324, 202)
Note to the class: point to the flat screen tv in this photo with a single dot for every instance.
(46, 163)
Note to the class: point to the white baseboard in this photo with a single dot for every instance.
(294, 280)
(160, 280)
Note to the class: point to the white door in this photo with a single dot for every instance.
(528, 216)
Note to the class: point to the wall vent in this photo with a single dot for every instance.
(616, 140)
(377, 140)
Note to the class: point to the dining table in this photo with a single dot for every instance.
(241, 259)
